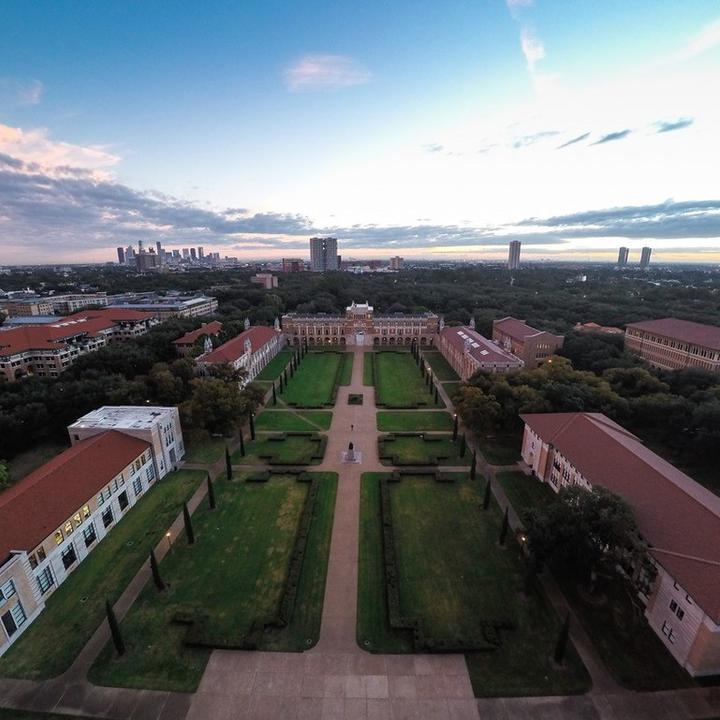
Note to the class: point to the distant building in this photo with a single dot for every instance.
(469, 352)
(27, 307)
(193, 254)
(645, 257)
(396, 263)
(530, 345)
(673, 344)
(623, 256)
(594, 327)
(250, 351)
(147, 262)
(323, 254)
(201, 253)
(514, 255)
(185, 254)
(166, 306)
(121, 256)
(267, 280)
(184, 344)
(679, 519)
(66, 304)
(292, 265)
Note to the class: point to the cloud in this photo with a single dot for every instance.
(574, 140)
(669, 126)
(532, 48)
(433, 147)
(325, 72)
(16, 92)
(707, 39)
(525, 140)
(611, 137)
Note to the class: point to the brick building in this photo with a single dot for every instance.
(469, 352)
(530, 345)
(184, 344)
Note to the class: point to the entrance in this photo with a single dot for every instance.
(359, 337)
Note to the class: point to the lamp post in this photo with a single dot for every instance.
(455, 427)
(167, 535)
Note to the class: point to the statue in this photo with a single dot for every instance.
(442, 324)
(247, 345)
(208, 346)
(277, 324)
(350, 455)
(247, 323)
(472, 322)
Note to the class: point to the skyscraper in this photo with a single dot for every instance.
(121, 256)
(623, 256)
(201, 252)
(185, 253)
(193, 254)
(645, 257)
(396, 263)
(323, 254)
(514, 255)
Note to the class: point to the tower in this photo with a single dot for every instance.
(323, 254)
(121, 256)
(623, 257)
(645, 257)
(514, 255)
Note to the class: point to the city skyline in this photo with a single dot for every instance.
(446, 136)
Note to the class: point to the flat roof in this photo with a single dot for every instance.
(123, 417)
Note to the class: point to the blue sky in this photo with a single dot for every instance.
(419, 128)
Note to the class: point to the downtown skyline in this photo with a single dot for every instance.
(416, 130)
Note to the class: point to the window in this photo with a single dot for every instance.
(68, 556)
(13, 619)
(123, 500)
(150, 473)
(41, 554)
(89, 535)
(77, 519)
(68, 527)
(59, 537)
(680, 613)
(667, 631)
(673, 606)
(86, 511)
(7, 590)
(137, 486)
(33, 561)
(107, 517)
(45, 580)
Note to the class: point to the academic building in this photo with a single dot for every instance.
(532, 346)
(53, 518)
(361, 326)
(678, 518)
(672, 344)
(469, 352)
(184, 344)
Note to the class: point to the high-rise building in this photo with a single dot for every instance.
(129, 255)
(514, 255)
(396, 263)
(193, 254)
(121, 256)
(292, 265)
(645, 257)
(323, 254)
(176, 254)
(201, 252)
(185, 253)
(623, 256)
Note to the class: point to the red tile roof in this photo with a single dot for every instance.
(234, 349)
(36, 506)
(483, 350)
(678, 517)
(211, 328)
(517, 329)
(683, 330)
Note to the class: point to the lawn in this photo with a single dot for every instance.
(315, 380)
(419, 450)
(399, 382)
(451, 388)
(273, 369)
(25, 462)
(312, 420)
(500, 449)
(77, 607)
(233, 577)
(441, 367)
(292, 450)
(453, 576)
(391, 421)
(202, 448)
(524, 491)
(347, 368)
(368, 358)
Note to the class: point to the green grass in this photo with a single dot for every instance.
(524, 491)
(500, 449)
(314, 380)
(347, 368)
(451, 388)
(290, 451)
(273, 369)
(233, 575)
(368, 368)
(399, 382)
(390, 421)
(283, 420)
(201, 448)
(418, 451)
(25, 462)
(452, 576)
(52, 642)
(441, 367)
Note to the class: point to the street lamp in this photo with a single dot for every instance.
(167, 535)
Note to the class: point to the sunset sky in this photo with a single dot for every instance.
(424, 129)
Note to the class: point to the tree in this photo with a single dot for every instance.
(188, 525)
(228, 459)
(488, 492)
(4, 475)
(218, 406)
(157, 579)
(473, 467)
(504, 527)
(463, 444)
(252, 426)
(210, 492)
(242, 444)
(478, 411)
(562, 641)
(114, 629)
(274, 396)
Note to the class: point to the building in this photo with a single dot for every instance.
(184, 344)
(594, 327)
(532, 346)
(292, 265)
(201, 253)
(396, 263)
(121, 256)
(622, 260)
(361, 326)
(193, 254)
(66, 304)
(49, 349)
(166, 306)
(159, 427)
(673, 344)
(645, 257)
(27, 306)
(147, 262)
(514, 255)
(679, 518)
(469, 352)
(267, 280)
(323, 254)
(250, 351)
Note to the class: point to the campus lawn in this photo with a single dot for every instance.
(233, 576)
(75, 610)
(273, 369)
(408, 420)
(284, 420)
(25, 462)
(368, 358)
(202, 448)
(289, 451)
(441, 367)
(524, 491)
(452, 577)
(315, 379)
(451, 388)
(500, 449)
(399, 382)
(347, 368)
(419, 450)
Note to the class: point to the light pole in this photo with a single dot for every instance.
(167, 535)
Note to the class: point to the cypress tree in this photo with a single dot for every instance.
(274, 395)
(462, 446)
(242, 445)
(292, 369)
(114, 629)
(280, 382)
(486, 498)
(159, 584)
(285, 376)
(252, 426)
(504, 528)
(473, 467)
(530, 574)
(228, 460)
(436, 395)
(188, 525)
(210, 492)
(455, 427)
(562, 640)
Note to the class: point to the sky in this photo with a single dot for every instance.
(414, 128)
